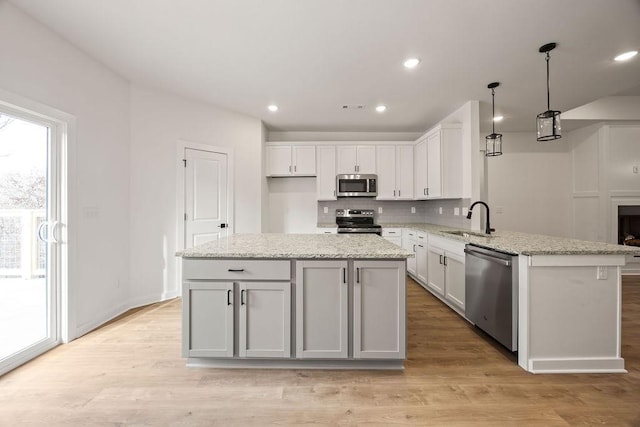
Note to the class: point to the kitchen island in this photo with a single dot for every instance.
(295, 301)
(568, 294)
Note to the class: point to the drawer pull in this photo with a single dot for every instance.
(344, 275)
(358, 275)
(242, 297)
(228, 296)
(236, 270)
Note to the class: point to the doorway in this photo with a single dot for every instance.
(29, 236)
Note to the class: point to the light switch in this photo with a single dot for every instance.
(635, 169)
(456, 211)
(413, 209)
(379, 209)
(326, 209)
(440, 210)
(465, 211)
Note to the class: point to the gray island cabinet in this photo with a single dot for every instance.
(309, 301)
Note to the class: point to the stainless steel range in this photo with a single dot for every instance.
(357, 221)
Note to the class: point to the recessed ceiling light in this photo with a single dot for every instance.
(498, 118)
(272, 108)
(625, 56)
(411, 63)
(381, 108)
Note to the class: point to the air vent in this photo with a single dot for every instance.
(353, 107)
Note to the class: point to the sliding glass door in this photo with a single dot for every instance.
(29, 232)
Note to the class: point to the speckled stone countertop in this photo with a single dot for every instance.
(299, 246)
(524, 243)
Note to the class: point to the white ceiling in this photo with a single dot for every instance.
(311, 57)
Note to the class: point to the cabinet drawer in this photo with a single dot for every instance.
(391, 232)
(236, 270)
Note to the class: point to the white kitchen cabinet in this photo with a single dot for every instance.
(394, 166)
(322, 309)
(326, 172)
(379, 310)
(326, 230)
(438, 163)
(264, 319)
(207, 319)
(356, 159)
(291, 160)
(409, 244)
(394, 235)
(447, 271)
(422, 266)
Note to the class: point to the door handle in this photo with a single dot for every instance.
(223, 225)
(41, 227)
(427, 191)
(398, 193)
(228, 296)
(344, 275)
(424, 191)
(440, 261)
(445, 260)
(242, 297)
(394, 193)
(358, 275)
(295, 168)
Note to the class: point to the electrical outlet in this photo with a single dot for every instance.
(635, 169)
(465, 211)
(601, 273)
(440, 210)
(326, 209)
(456, 211)
(499, 210)
(379, 209)
(413, 209)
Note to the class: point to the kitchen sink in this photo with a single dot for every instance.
(467, 234)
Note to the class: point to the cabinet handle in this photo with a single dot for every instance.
(394, 193)
(440, 261)
(344, 275)
(424, 191)
(242, 297)
(427, 191)
(289, 168)
(445, 260)
(236, 270)
(414, 248)
(295, 168)
(358, 275)
(228, 296)
(398, 193)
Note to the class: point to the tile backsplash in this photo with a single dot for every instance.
(400, 211)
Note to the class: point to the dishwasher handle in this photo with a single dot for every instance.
(500, 261)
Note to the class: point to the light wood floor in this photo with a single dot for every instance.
(130, 372)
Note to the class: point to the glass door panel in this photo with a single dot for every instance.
(27, 248)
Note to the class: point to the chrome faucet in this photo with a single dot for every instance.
(487, 228)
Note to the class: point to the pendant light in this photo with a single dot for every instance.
(493, 141)
(548, 123)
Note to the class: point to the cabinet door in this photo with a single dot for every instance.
(452, 161)
(304, 160)
(422, 266)
(279, 160)
(420, 170)
(207, 319)
(366, 159)
(455, 279)
(435, 259)
(409, 244)
(404, 172)
(265, 319)
(386, 167)
(434, 165)
(321, 309)
(379, 310)
(346, 159)
(326, 179)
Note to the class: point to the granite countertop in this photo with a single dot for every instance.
(299, 246)
(524, 243)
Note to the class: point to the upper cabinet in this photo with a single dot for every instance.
(356, 159)
(438, 163)
(394, 165)
(291, 160)
(326, 168)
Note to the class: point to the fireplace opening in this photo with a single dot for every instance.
(629, 225)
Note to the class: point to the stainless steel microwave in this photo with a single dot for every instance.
(358, 185)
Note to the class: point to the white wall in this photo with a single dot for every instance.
(292, 205)
(529, 186)
(158, 121)
(39, 65)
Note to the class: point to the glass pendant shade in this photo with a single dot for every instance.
(548, 125)
(493, 145)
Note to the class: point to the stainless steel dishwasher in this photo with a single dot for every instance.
(491, 293)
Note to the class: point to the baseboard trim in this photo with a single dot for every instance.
(388, 365)
(577, 366)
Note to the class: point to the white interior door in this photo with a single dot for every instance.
(206, 201)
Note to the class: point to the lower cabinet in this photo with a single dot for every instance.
(446, 270)
(207, 326)
(379, 310)
(409, 244)
(422, 265)
(322, 309)
(265, 320)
